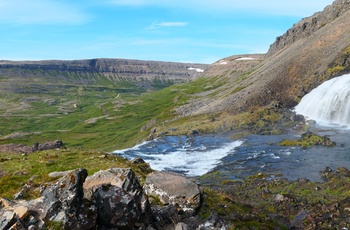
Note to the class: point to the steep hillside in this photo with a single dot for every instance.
(315, 49)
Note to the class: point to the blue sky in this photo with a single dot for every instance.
(201, 31)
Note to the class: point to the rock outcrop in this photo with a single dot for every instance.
(109, 199)
(25, 149)
(309, 25)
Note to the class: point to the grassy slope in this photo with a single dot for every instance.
(17, 169)
(114, 116)
(100, 116)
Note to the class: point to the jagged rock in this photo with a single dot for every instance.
(18, 216)
(124, 179)
(174, 189)
(116, 207)
(24, 191)
(114, 199)
(63, 202)
(165, 216)
(7, 219)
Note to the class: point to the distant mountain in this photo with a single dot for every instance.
(314, 50)
(95, 70)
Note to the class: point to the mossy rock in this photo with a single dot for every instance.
(309, 139)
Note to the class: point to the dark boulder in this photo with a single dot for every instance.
(126, 180)
(64, 202)
(116, 208)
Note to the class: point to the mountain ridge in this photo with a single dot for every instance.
(112, 68)
(297, 62)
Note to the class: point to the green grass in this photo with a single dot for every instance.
(18, 169)
(106, 117)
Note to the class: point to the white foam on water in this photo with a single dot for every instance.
(190, 161)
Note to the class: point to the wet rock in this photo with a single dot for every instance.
(326, 173)
(174, 189)
(138, 161)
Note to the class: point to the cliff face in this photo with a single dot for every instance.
(314, 50)
(309, 25)
(113, 69)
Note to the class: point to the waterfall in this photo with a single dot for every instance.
(329, 103)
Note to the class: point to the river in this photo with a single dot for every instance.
(328, 104)
(236, 159)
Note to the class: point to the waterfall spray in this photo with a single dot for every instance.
(329, 103)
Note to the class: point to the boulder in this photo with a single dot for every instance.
(120, 177)
(17, 215)
(116, 208)
(174, 189)
(124, 179)
(64, 202)
(58, 144)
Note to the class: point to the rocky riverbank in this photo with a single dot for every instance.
(119, 198)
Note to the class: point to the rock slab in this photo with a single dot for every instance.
(174, 189)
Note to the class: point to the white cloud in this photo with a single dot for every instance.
(157, 25)
(287, 7)
(39, 12)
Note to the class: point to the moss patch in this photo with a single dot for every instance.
(309, 139)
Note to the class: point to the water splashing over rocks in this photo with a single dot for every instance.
(329, 103)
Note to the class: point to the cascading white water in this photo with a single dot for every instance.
(329, 103)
